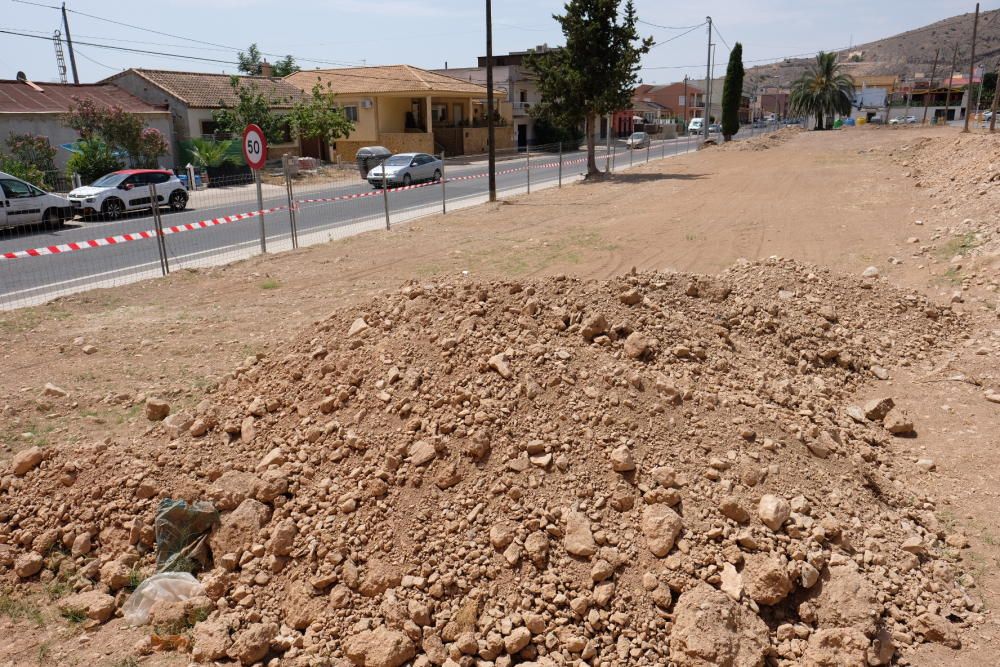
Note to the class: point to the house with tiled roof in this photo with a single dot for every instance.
(192, 97)
(405, 108)
(27, 107)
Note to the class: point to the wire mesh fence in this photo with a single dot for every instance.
(56, 250)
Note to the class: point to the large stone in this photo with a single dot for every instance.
(380, 648)
(95, 605)
(621, 459)
(594, 326)
(253, 643)
(28, 565)
(773, 511)
(177, 424)
(898, 422)
(877, 408)
(843, 598)
(579, 539)
(239, 528)
(837, 647)
(211, 640)
(26, 460)
(712, 630)
(156, 409)
(661, 526)
(766, 579)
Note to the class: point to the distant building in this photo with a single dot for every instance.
(681, 100)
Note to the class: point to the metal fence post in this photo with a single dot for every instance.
(631, 153)
(385, 195)
(190, 174)
(527, 168)
(649, 147)
(614, 155)
(260, 212)
(292, 222)
(161, 245)
(444, 196)
(663, 148)
(607, 151)
(560, 163)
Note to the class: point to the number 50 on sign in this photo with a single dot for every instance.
(254, 147)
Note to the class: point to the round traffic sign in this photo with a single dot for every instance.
(254, 146)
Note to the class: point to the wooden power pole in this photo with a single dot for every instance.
(490, 128)
(930, 86)
(951, 78)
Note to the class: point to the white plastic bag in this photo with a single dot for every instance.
(168, 586)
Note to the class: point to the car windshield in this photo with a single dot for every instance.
(637, 135)
(399, 161)
(109, 180)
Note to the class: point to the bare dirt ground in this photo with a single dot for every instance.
(838, 200)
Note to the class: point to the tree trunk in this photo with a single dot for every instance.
(819, 120)
(591, 148)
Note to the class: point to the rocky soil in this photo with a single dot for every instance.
(659, 468)
(764, 141)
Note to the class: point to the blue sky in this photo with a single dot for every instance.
(427, 33)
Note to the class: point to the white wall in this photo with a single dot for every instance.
(50, 125)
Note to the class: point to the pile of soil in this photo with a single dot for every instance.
(764, 141)
(656, 468)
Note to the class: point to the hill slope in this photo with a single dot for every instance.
(909, 53)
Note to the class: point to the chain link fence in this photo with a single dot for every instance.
(224, 220)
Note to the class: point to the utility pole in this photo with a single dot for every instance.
(996, 94)
(951, 78)
(708, 78)
(490, 129)
(69, 43)
(972, 71)
(686, 103)
(930, 86)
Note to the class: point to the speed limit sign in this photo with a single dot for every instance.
(254, 146)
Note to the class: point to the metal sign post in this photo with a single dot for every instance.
(527, 168)
(161, 244)
(293, 223)
(560, 163)
(385, 194)
(255, 153)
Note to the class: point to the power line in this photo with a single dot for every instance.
(96, 62)
(186, 39)
(123, 48)
(719, 34)
(686, 32)
(668, 27)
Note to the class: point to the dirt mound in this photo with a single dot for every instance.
(962, 175)
(659, 467)
(764, 141)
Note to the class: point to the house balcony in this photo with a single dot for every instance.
(520, 108)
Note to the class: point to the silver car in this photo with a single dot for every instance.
(637, 140)
(406, 168)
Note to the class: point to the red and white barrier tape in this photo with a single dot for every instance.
(202, 224)
(133, 236)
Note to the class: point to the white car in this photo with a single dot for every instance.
(23, 204)
(115, 194)
(696, 125)
(406, 168)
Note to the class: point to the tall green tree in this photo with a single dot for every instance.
(597, 70)
(252, 106)
(823, 90)
(319, 116)
(732, 93)
(251, 62)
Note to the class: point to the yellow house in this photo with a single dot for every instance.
(405, 109)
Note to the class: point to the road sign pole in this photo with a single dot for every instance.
(444, 196)
(260, 212)
(649, 147)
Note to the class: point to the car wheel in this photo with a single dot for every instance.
(437, 175)
(178, 200)
(406, 179)
(113, 209)
(52, 219)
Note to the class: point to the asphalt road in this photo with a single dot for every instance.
(33, 279)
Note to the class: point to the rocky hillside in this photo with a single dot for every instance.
(908, 53)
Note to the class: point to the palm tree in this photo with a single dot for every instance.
(823, 90)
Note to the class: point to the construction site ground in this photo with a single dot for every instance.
(845, 200)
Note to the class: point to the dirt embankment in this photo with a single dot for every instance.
(776, 463)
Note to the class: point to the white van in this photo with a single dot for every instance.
(696, 125)
(23, 204)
